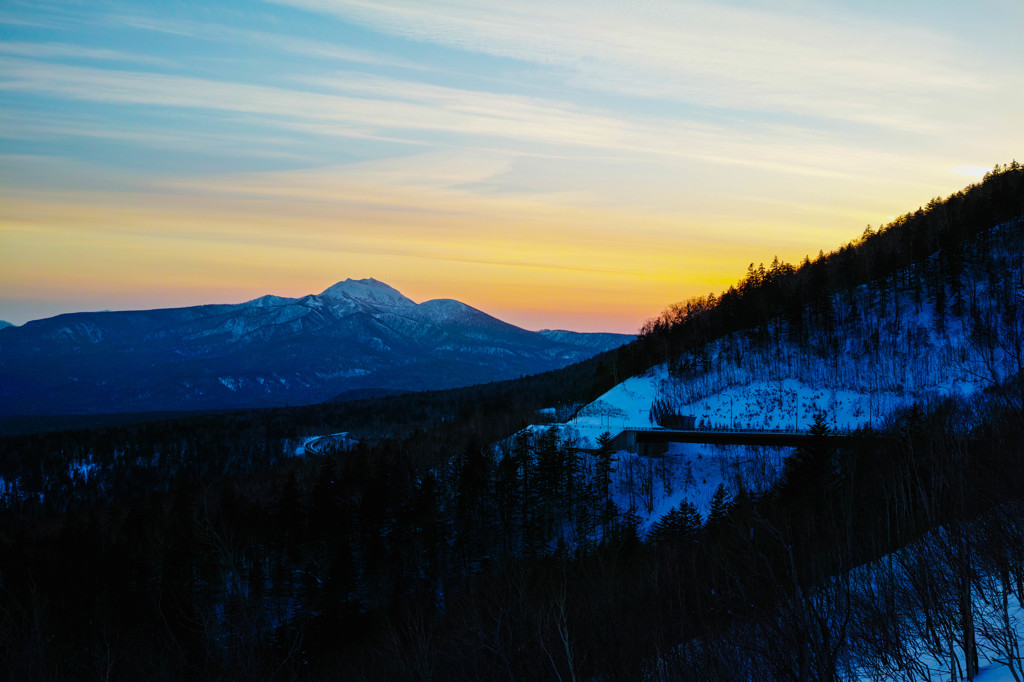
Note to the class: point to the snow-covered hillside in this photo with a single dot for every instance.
(891, 346)
(918, 337)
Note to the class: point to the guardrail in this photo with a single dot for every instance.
(781, 432)
(641, 438)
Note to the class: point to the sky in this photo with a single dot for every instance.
(573, 165)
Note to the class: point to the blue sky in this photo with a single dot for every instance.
(558, 164)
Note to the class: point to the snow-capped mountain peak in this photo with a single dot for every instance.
(367, 290)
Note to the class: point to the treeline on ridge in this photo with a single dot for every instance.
(896, 255)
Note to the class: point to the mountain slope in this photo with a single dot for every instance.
(355, 336)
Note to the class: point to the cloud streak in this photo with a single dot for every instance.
(372, 107)
(845, 69)
(408, 106)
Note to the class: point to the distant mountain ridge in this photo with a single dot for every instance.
(355, 337)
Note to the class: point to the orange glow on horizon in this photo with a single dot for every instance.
(532, 261)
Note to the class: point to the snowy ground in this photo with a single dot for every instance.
(759, 404)
(626, 405)
(892, 353)
(988, 630)
(691, 471)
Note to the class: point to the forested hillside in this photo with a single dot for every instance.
(442, 540)
(948, 326)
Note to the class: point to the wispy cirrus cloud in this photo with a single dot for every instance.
(266, 40)
(846, 68)
(410, 106)
(143, 138)
(76, 52)
(362, 106)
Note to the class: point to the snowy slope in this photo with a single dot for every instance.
(893, 349)
(892, 352)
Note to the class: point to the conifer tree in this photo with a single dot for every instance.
(680, 526)
(721, 503)
(811, 463)
(603, 469)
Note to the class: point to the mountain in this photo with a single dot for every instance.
(357, 337)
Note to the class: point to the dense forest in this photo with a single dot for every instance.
(441, 540)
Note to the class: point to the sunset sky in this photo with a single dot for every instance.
(572, 165)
